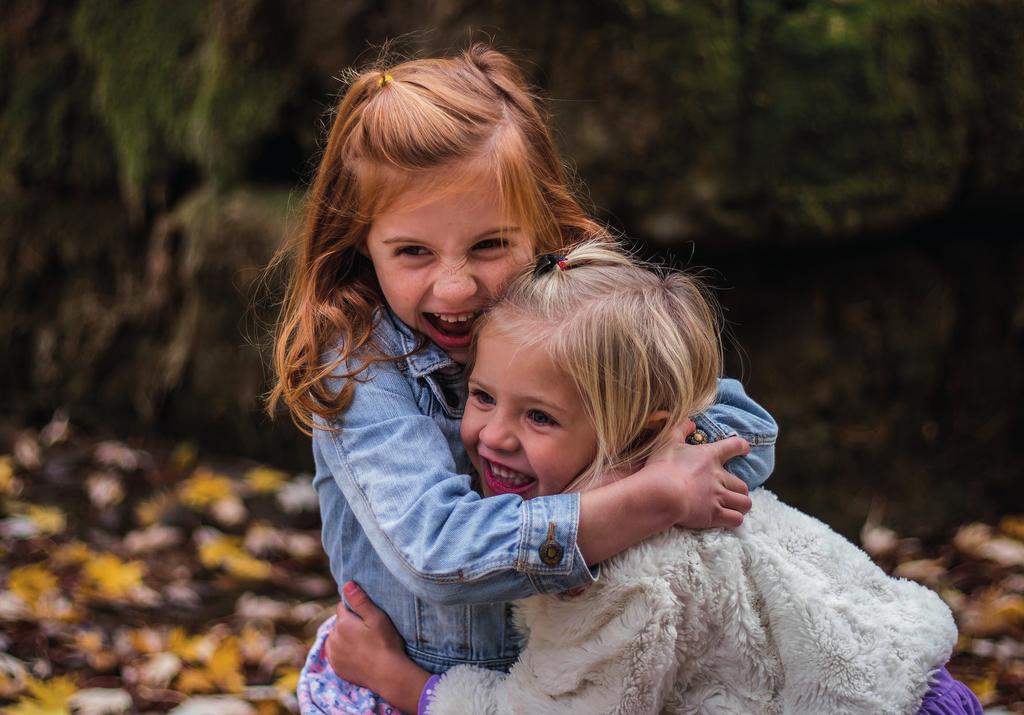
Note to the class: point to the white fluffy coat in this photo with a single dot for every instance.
(782, 615)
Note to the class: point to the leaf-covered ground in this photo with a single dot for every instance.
(137, 580)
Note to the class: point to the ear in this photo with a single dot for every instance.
(363, 250)
(656, 419)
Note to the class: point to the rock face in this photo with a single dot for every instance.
(152, 159)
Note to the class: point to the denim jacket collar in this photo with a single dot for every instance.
(430, 358)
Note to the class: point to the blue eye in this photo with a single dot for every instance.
(541, 418)
(480, 396)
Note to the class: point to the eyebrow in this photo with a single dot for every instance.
(500, 230)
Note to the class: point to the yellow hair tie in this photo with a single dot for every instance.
(384, 79)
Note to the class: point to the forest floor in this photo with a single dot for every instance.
(148, 580)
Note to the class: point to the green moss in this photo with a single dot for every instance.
(235, 106)
(143, 57)
(47, 134)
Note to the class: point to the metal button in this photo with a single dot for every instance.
(551, 551)
(697, 437)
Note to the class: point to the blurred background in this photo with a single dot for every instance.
(850, 169)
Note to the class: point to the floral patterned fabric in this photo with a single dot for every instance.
(322, 692)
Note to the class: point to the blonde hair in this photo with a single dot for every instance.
(635, 340)
(393, 127)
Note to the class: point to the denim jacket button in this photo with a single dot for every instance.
(697, 437)
(551, 553)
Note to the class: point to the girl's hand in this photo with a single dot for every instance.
(706, 495)
(364, 648)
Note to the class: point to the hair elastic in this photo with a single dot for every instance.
(550, 261)
(384, 79)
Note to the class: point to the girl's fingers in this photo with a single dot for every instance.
(729, 519)
(733, 501)
(361, 604)
(726, 449)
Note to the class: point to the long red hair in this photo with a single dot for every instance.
(391, 127)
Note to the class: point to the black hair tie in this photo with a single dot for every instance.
(549, 262)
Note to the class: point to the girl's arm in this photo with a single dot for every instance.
(393, 466)
(612, 655)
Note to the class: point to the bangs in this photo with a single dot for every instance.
(502, 164)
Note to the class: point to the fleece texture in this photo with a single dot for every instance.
(782, 615)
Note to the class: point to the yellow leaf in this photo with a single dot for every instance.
(112, 577)
(150, 511)
(7, 480)
(226, 552)
(225, 666)
(264, 480)
(49, 519)
(184, 457)
(246, 567)
(204, 488)
(194, 680)
(183, 645)
(31, 583)
(49, 698)
(289, 681)
(984, 688)
(1012, 526)
(74, 554)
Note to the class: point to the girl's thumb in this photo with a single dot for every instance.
(359, 601)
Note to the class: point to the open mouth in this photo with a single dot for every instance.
(451, 330)
(502, 480)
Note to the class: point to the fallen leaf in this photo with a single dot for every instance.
(992, 614)
(289, 681)
(214, 705)
(111, 577)
(50, 519)
(116, 455)
(13, 676)
(45, 698)
(225, 666)
(159, 670)
(298, 495)
(150, 511)
(193, 680)
(204, 488)
(152, 538)
(57, 430)
(264, 480)
(31, 583)
(104, 490)
(183, 458)
(9, 484)
(72, 554)
(229, 512)
(926, 571)
(101, 701)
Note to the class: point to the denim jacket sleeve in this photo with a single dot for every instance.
(394, 467)
(734, 413)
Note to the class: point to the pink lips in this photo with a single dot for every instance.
(497, 486)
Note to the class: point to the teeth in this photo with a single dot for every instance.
(514, 479)
(460, 318)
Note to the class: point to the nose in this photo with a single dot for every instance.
(454, 284)
(497, 434)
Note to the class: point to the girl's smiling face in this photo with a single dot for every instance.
(441, 254)
(524, 426)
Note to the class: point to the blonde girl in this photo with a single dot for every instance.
(576, 377)
(438, 182)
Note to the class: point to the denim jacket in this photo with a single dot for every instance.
(400, 516)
